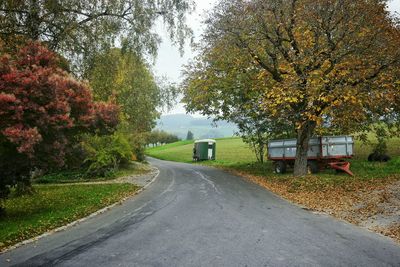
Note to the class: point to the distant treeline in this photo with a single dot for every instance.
(157, 137)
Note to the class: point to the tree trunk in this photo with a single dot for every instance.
(261, 153)
(258, 149)
(303, 137)
(262, 147)
(2, 208)
(24, 188)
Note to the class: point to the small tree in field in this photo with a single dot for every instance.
(43, 109)
(189, 135)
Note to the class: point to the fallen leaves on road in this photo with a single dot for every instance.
(374, 204)
(392, 231)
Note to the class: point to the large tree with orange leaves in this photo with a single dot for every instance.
(321, 62)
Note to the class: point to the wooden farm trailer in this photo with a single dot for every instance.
(323, 151)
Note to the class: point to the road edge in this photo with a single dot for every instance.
(74, 223)
(311, 210)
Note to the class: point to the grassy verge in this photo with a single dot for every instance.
(80, 176)
(52, 206)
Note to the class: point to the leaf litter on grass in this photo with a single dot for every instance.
(374, 204)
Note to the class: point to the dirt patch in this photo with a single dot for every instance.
(145, 174)
(371, 204)
(142, 179)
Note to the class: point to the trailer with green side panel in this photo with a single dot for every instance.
(204, 149)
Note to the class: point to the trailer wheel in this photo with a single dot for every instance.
(312, 167)
(280, 167)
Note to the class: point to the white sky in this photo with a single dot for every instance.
(169, 63)
(394, 6)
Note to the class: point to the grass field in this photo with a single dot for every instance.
(233, 153)
(52, 206)
(229, 151)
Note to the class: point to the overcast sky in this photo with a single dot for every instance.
(169, 63)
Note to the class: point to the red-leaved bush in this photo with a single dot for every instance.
(42, 110)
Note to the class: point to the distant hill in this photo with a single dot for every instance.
(180, 124)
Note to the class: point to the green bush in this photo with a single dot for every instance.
(138, 149)
(138, 143)
(106, 153)
(395, 162)
(63, 176)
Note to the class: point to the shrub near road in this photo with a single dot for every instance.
(370, 198)
(43, 110)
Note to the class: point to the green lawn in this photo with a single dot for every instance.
(179, 151)
(229, 151)
(52, 206)
(233, 153)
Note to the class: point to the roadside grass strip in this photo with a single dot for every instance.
(52, 206)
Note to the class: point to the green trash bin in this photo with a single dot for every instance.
(204, 150)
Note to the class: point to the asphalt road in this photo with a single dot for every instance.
(199, 216)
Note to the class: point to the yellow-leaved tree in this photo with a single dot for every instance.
(323, 62)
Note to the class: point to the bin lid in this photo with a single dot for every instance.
(205, 141)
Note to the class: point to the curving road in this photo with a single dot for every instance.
(199, 216)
